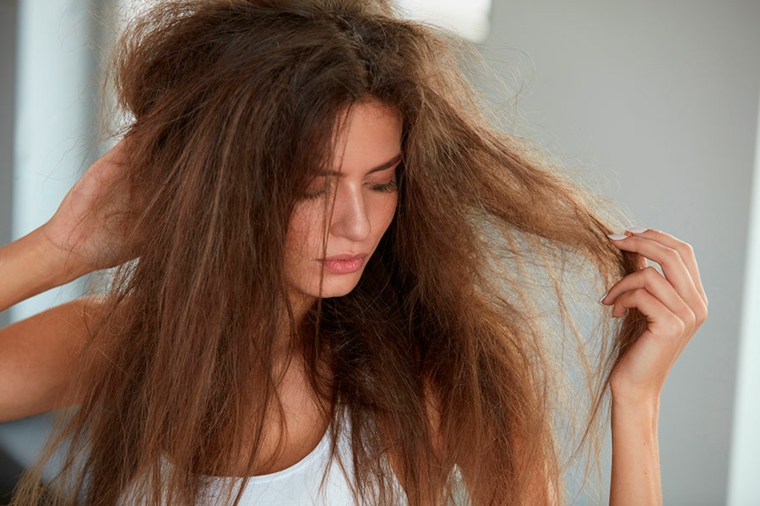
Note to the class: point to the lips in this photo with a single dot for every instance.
(344, 264)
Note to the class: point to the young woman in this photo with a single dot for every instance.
(327, 287)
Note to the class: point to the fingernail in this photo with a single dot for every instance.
(617, 237)
(637, 230)
(603, 296)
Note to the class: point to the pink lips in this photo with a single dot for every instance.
(344, 264)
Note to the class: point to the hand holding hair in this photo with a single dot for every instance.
(89, 228)
(675, 306)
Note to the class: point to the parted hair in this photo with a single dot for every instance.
(231, 107)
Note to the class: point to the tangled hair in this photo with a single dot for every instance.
(232, 106)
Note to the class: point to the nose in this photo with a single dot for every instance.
(349, 218)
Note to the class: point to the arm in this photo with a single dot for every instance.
(29, 266)
(38, 353)
(78, 239)
(635, 454)
(675, 306)
(38, 358)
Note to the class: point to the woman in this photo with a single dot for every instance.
(327, 259)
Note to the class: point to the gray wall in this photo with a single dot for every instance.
(660, 100)
(7, 105)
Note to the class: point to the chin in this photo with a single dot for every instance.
(333, 294)
(339, 287)
(337, 292)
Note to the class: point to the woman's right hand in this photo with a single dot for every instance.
(90, 231)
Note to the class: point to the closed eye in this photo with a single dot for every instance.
(388, 187)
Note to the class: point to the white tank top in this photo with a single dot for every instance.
(296, 485)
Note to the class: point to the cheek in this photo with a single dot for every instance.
(386, 213)
(303, 232)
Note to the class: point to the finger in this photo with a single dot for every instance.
(655, 284)
(641, 260)
(662, 322)
(673, 267)
(684, 249)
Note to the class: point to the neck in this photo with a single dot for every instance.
(301, 304)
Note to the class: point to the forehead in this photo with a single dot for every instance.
(368, 137)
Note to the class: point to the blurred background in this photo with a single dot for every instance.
(658, 100)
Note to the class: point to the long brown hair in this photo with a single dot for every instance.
(232, 105)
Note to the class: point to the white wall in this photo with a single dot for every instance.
(743, 483)
(55, 118)
(49, 141)
(660, 100)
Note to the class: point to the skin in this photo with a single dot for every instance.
(363, 205)
(74, 243)
(675, 305)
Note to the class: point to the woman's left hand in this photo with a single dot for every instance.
(674, 304)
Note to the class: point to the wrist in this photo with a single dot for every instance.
(31, 265)
(648, 405)
(54, 266)
(624, 393)
(634, 396)
(642, 412)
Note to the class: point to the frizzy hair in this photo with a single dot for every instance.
(233, 105)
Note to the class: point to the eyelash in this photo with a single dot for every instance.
(386, 188)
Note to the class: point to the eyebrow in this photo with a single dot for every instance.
(387, 165)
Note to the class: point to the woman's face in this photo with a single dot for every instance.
(365, 192)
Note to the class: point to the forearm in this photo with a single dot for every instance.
(29, 266)
(635, 454)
